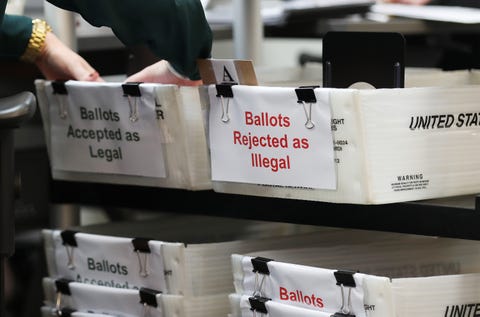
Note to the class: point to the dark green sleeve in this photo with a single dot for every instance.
(175, 30)
(3, 6)
(15, 32)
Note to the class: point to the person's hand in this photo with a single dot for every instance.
(58, 62)
(161, 72)
(413, 2)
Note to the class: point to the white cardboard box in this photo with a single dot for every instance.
(179, 124)
(391, 145)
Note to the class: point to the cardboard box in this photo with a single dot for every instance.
(91, 138)
(390, 145)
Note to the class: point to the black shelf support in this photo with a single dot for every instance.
(425, 218)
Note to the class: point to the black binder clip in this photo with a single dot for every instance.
(340, 314)
(224, 90)
(148, 296)
(59, 87)
(63, 286)
(306, 95)
(68, 238)
(66, 312)
(260, 265)
(345, 278)
(257, 304)
(132, 89)
(70, 243)
(140, 245)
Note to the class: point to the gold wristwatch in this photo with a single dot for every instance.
(40, 28)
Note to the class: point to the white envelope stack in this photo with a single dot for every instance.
(389, 145)
(134, 134)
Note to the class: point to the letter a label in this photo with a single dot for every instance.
(227, 78)
(225, 71)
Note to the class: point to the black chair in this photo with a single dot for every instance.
(14, 111)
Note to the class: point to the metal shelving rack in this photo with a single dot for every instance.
(455, 217)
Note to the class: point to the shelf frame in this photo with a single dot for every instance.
(457, 217)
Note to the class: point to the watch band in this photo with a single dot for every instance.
(40, 28)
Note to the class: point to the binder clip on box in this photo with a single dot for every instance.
(348, 145)
(131, 133)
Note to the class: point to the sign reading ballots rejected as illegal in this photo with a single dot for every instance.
(263, 135)
(96, 128)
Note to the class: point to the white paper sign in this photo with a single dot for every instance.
(97, 134)
(116, 302)
(266, 141)
(110, 261)
(276, 309)
(225, 71)
(306, 286)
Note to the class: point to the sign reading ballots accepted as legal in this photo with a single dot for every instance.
(262, 135)
(96, 128)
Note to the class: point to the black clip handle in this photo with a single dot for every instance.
(67, 312)
(225, 90)
(63, 286)
(141, 245)
(148, 296)
(132, 89)
(68, 238)
(345, 278)
(339, 314)
(306, 94)
(59, 87)
(257, 303)
(260, 265)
